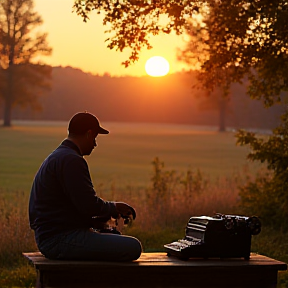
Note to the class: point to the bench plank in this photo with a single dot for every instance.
(158, 270)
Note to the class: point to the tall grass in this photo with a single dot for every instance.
(16, 236)
(165, 206)
(163, 209)
(173, 197)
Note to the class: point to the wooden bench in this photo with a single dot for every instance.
(158, 270)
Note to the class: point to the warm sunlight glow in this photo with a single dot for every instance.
(157, 66)
(91, 37)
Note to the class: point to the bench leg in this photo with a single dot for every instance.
(39, 282)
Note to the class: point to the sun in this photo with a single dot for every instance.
(157, 66)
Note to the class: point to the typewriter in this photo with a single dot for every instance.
(219, 236)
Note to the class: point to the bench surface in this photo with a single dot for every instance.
(158, 270)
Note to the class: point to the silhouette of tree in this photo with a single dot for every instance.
(21, 80)
(246, 36)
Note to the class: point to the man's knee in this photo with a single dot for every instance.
(136, 248)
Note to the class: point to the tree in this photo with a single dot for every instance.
(216, 101)
(195, 54)
(21, 80)
(247, 36)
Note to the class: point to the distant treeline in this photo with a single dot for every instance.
(169, 99)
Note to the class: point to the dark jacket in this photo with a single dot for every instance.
(62, 195)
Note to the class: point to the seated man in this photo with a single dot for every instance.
(63, 203)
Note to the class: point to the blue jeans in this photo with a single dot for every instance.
(89, 245)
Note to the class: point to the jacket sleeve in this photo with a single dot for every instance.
(78, 187)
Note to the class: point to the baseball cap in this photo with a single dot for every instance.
(81, 122)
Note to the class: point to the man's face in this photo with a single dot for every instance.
(90, 142)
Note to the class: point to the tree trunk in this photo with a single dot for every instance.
(7, 112)
(222, 114)
(8, 98)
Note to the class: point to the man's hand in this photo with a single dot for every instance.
(125, 210)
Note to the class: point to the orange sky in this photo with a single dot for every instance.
(81, 45)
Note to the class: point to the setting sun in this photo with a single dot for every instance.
(157, 66)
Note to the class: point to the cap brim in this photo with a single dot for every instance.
(103, 131)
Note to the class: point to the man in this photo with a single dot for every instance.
(63, 202)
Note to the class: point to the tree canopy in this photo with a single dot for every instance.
(247, 36)
(133, 22)
(20, 79)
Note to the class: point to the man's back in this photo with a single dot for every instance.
(62, 193)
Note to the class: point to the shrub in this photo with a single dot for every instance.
(267, 194)
(172, 198)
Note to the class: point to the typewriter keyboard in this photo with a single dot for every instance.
(182, 244)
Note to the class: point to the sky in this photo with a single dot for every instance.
(82, 45)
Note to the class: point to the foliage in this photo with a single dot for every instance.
(246, 38)
(134, 21)
(20, 79)
(240, 37)
(267, 194)
(272, 242)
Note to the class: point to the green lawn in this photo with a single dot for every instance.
(124, 156)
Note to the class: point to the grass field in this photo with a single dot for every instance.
(124, 156)
(121, 169)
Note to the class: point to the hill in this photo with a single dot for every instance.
(168, 99)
